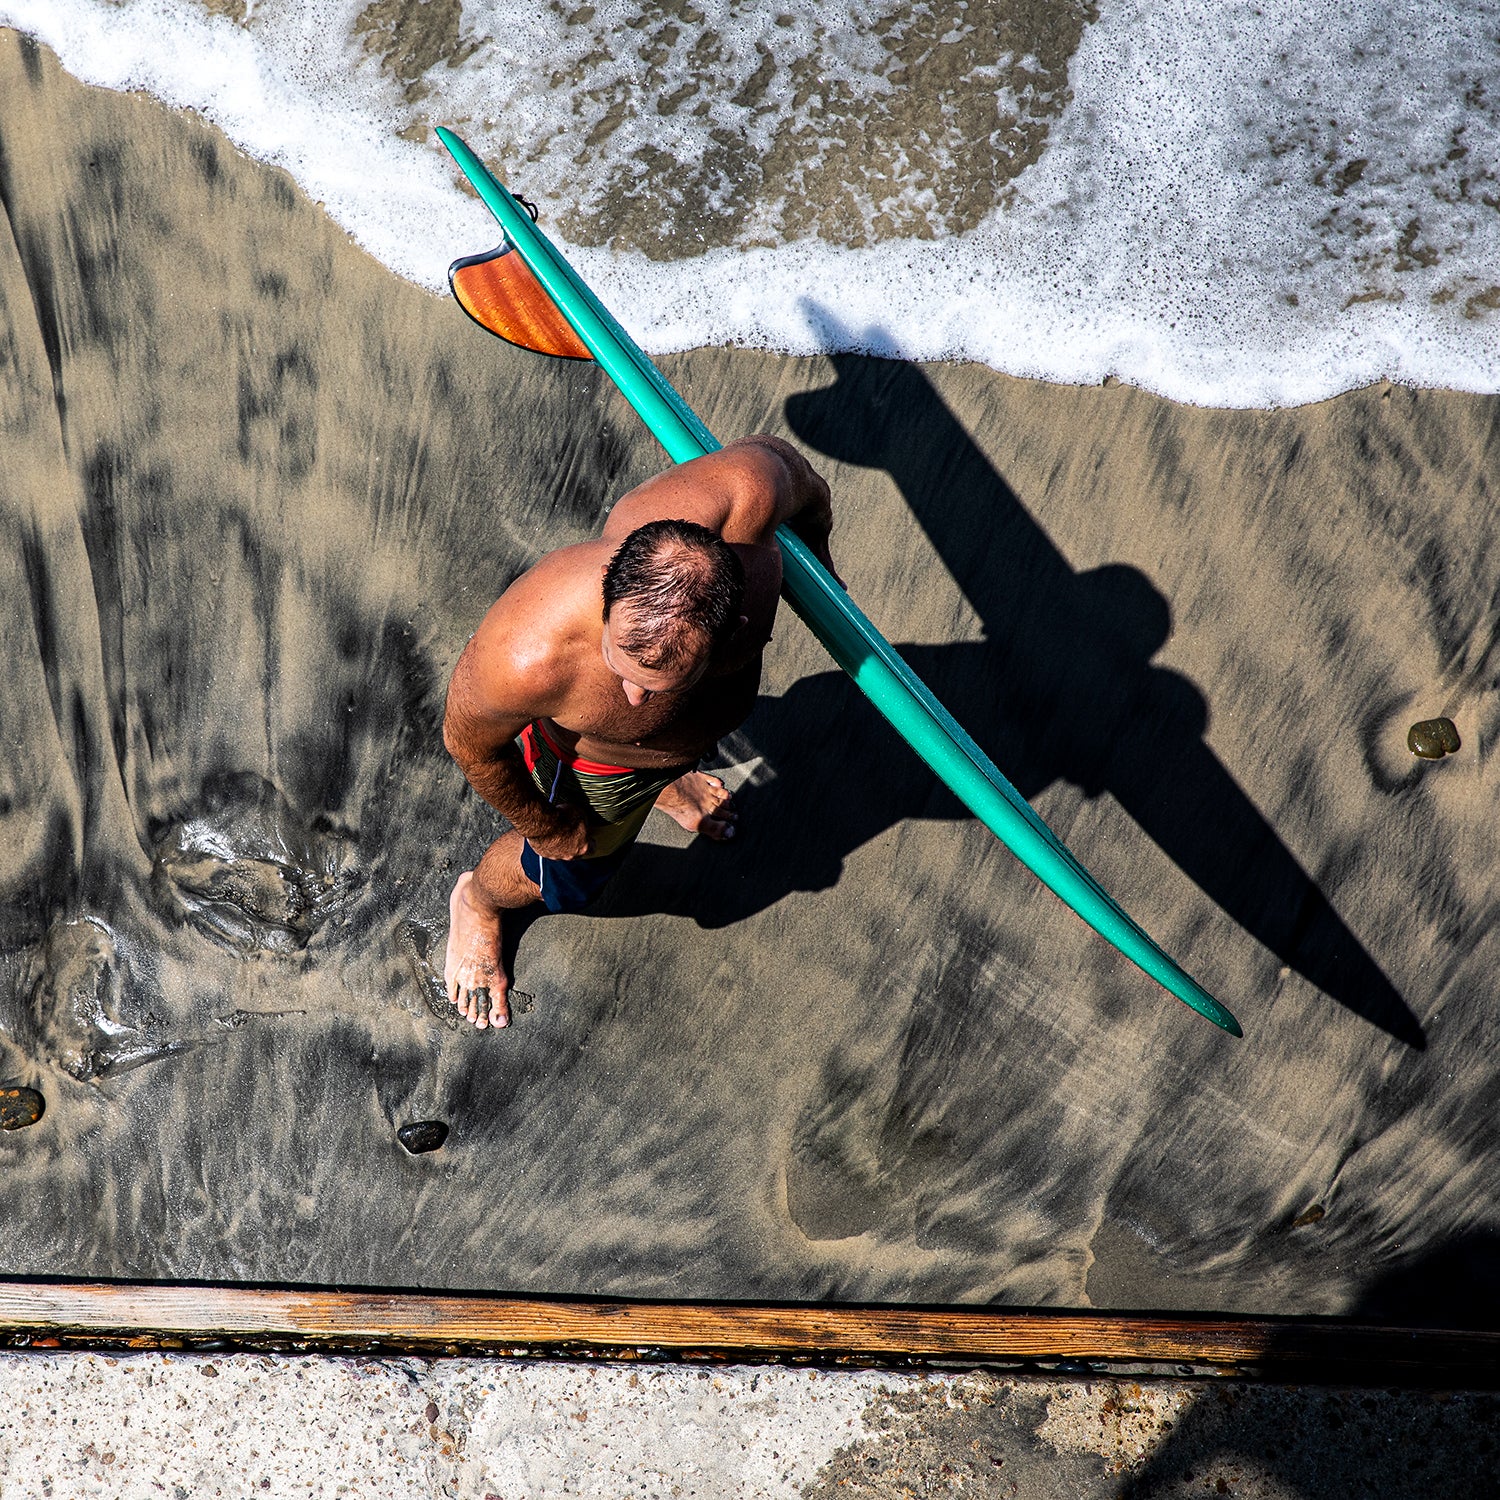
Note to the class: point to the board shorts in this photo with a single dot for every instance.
(615, 801)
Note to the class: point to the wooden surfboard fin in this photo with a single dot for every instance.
(498, 290)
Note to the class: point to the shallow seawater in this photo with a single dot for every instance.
(1229, 203)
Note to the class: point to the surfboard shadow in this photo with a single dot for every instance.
(1061, 688)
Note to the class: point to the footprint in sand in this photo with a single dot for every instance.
(249, 873)
(76, 1006)
(422, 951)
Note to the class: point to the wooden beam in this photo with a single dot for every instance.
(168, 1315)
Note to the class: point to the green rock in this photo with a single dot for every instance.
(1432, 739)
(20, 1107)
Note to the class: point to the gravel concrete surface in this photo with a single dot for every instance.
(85, 1424)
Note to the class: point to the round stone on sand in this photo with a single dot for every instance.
(1432, 739)
(422, 1135)
(20, 1107)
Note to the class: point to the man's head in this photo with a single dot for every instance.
(672, 594)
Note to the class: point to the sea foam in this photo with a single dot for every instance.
(1230, 204)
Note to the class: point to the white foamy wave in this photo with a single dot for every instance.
(1239, 204)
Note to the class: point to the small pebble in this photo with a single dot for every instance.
(20, 1107)
(422, 1135)
(1432, 739)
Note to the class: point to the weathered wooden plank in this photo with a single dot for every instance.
(161, 1313)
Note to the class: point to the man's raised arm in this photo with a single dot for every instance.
(743, 492)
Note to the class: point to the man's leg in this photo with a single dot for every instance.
(473, 971)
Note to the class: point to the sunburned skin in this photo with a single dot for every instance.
(545, 653)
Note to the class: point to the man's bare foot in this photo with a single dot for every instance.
(700, 803)
(475, 978)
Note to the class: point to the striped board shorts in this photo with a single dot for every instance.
(616, 801)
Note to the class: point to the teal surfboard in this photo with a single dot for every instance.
(852, 641)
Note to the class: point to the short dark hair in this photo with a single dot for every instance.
(684, 585)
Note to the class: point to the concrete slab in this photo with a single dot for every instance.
(239, 1425)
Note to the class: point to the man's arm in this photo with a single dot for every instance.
(743, 492)
(496, 691)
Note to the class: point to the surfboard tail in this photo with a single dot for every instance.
(848, 635)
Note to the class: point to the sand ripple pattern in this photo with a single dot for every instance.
(257, 493)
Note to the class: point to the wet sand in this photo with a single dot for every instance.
(256, 494)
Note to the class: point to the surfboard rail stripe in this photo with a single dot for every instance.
(847, 634)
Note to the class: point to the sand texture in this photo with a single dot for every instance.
(256, 492)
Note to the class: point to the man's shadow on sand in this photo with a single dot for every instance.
(1062, 687)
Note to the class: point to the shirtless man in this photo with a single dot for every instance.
(601, 676)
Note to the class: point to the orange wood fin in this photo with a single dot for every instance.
(499, 292)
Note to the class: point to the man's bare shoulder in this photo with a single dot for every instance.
(525, 657)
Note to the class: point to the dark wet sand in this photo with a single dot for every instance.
(256, 492)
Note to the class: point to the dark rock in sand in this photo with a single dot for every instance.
(422, 1135)
(20, 1107)
(1432, 739)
